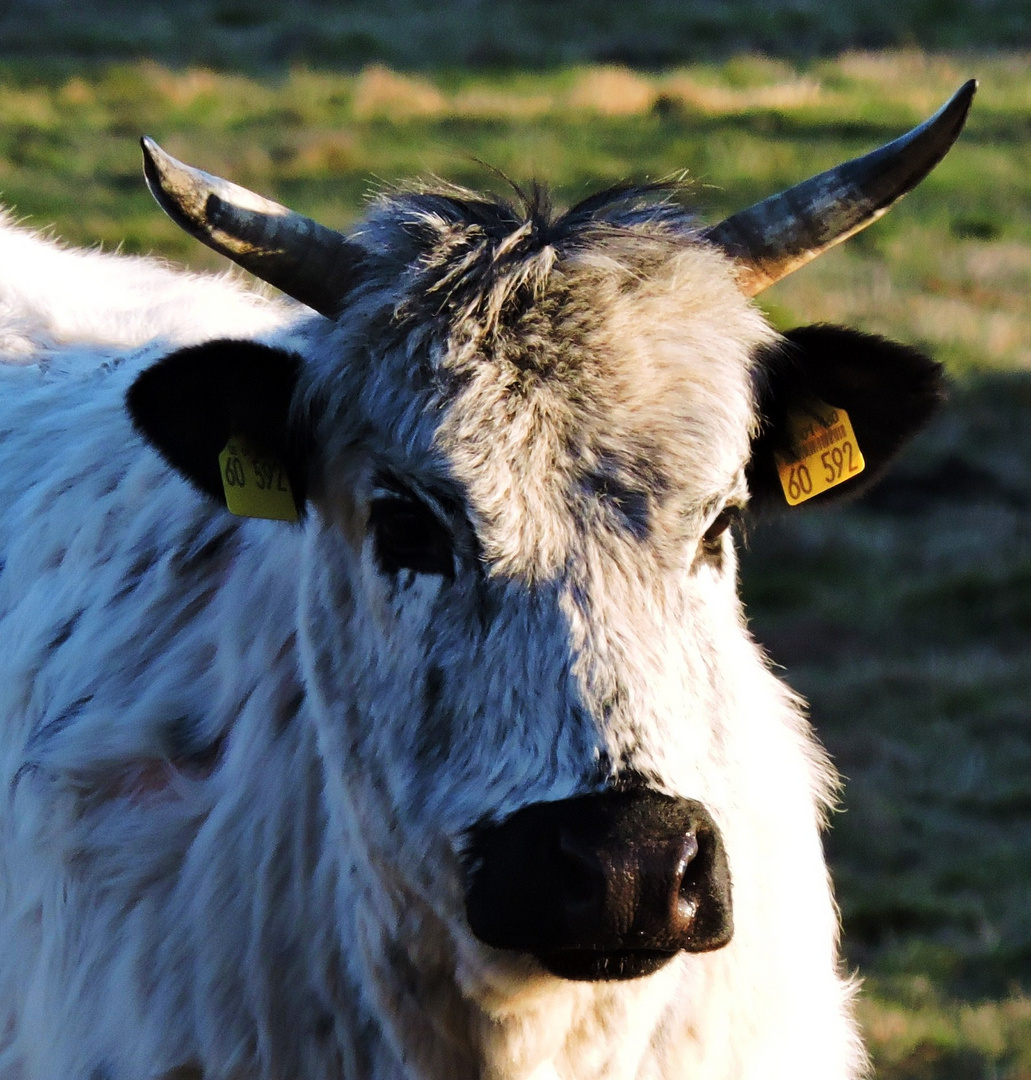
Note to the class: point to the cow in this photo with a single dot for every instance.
(377, 701)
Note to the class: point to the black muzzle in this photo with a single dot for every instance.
(606, 886)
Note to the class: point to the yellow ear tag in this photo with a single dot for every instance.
(824, 452)
(256, 486)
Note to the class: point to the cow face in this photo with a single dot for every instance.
(520, 441)
(523, 555)
(519, 451)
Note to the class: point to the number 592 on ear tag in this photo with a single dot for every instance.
(823, 452)
(255, 485)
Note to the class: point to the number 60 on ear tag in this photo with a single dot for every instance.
(823, 454)
(255, 485)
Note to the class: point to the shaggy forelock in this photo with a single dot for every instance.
(592, 366)
(472, 255)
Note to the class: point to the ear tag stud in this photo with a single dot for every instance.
(823, 454)
(256, 485)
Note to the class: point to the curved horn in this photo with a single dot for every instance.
(778, 235)
(307, 261)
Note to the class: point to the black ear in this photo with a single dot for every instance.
(889, 391)
(192, 401)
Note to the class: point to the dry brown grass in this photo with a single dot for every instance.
(612, 91)
(385, 94)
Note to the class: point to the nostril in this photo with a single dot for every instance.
(685, 911)
(688, 851)
(703, 915)
(685, 890)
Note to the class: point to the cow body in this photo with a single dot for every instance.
(186, 883)
(247, 764)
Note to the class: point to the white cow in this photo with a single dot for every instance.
(473, 770)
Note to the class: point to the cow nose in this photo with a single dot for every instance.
(601, 886)
(637, 890)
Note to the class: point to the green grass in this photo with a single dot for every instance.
(906, 621)
(918, 1034)
(321, 142)
(905, 618)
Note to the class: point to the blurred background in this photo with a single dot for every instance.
(904, 618)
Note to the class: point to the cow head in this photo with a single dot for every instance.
(517, 441)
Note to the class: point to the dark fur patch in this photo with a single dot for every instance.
(323, 1026)
(630, 503)
(490, 600)
(54, 727)
(189, 749)
(888, 390)
(286, 716)
(197, 557)
(65, 631)
(145, 560)
(434, 734)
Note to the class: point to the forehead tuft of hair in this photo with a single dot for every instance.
(532, 210)
(469, 255)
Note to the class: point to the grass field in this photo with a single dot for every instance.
(906, 618)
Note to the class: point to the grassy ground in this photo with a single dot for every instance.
(905, 619)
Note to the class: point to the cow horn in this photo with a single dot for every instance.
(778, 235)
(313, 264)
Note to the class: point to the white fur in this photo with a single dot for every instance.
(295, 911)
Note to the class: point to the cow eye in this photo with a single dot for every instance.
(408, 535)
(728, 516)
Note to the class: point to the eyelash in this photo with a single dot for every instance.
(728, 517)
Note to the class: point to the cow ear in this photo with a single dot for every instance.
(191, 402)
(887, 390)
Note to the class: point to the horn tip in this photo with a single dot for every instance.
(953, 114)
(964, 97)
(171, 188)
(152, 170)
(961, 99)
(942, 129)
(154, 161)
(158, 165)
(152, 153)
